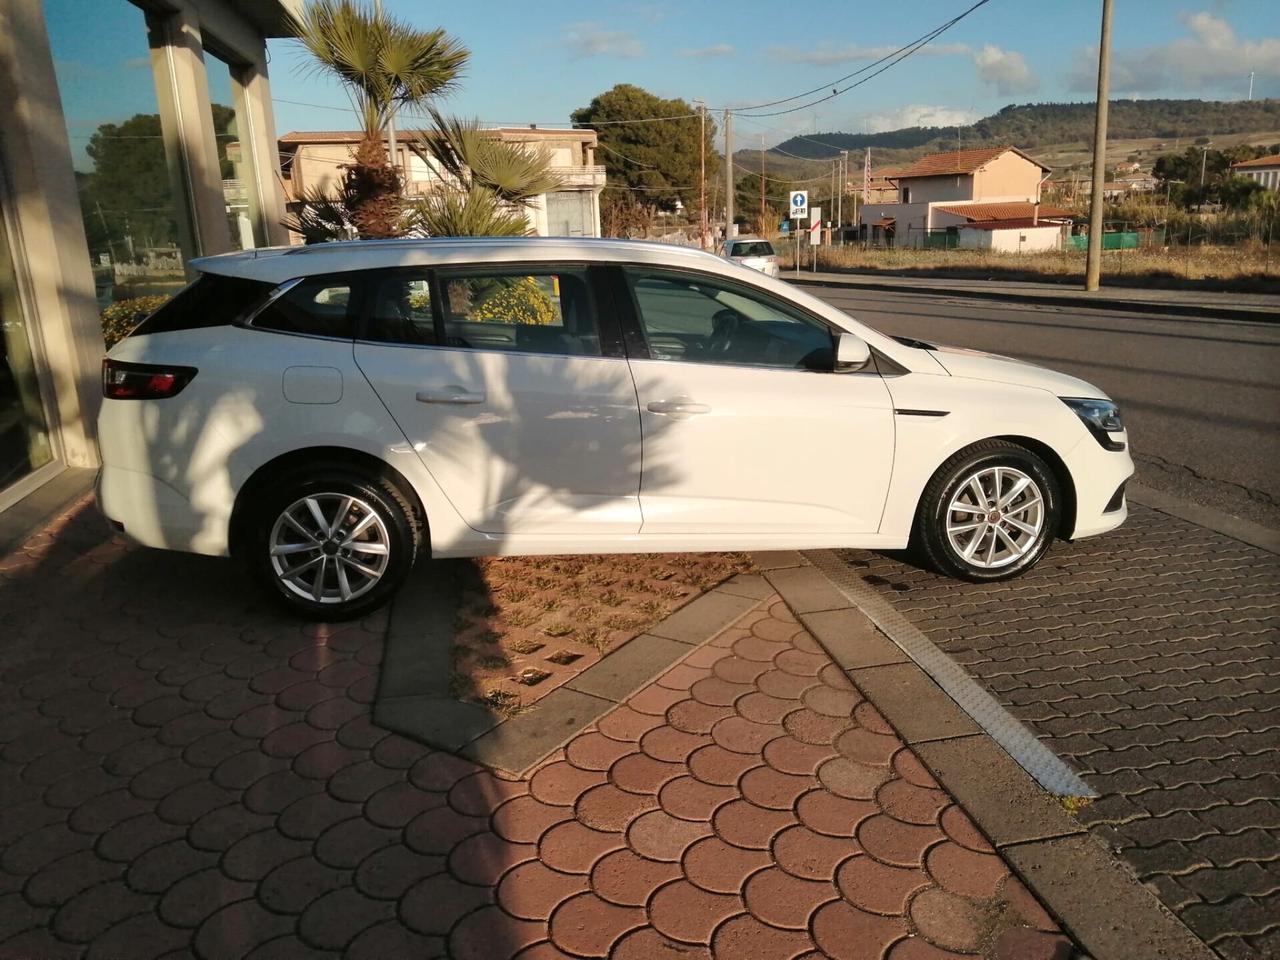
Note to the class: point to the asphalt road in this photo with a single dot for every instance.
(1201, 398)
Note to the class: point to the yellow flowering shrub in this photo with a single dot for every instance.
(123, 315)
(520, 300)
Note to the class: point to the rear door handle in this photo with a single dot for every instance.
(450, 394)
(678, 409)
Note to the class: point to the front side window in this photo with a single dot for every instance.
(699, 320)
(530, 312)
(316, 306)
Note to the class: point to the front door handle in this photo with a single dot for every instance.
(450, 394)
(678, 409)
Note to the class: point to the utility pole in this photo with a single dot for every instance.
(728, 174)
(844, 177)
(1093, 265)
(702, 177)
(763, 228)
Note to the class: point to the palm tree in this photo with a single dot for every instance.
(486, 186)
(385, 65)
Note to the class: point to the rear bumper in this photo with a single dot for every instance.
(155, 514)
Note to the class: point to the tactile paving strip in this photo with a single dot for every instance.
(1044, 766)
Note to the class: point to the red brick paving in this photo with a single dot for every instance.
(186, 773)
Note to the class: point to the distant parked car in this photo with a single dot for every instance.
(331, 413)
(754, 252)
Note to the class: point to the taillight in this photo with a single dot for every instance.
(143, 381)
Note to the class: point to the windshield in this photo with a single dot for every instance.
(753, 248)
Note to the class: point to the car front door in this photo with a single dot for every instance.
(517, 401)
(746, 428)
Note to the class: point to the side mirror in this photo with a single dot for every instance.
(852, 353)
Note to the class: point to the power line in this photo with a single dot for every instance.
(892, 59)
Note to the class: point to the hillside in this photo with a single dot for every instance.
(1035, 125)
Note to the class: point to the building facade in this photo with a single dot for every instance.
(314, 159)
(935, 193)
(1265, 170)
(136, 135)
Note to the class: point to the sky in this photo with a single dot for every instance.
(529, 67)
(537, 62)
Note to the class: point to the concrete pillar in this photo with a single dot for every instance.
(182, 91)
(46, 236)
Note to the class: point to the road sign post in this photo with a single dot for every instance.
(815, 235)
(799, 211)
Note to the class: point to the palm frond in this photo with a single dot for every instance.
(384, 62)
(321, 218)
(477, 212)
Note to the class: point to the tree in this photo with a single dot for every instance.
(488, 182)
(127, 199)
(385, 65)
(657, 162)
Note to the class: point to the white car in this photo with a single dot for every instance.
(332, 413)
(754, 252)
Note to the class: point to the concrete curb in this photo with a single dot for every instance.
(1246, 531)
(1095, 898)
(1257, 315)
(414, 699)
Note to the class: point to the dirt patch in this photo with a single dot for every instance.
(526, 625)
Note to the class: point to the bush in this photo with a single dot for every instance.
(517, 301)
(123, 315)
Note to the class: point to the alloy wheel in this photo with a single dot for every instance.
(995, 517)
(329, 547)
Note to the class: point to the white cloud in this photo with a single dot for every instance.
(1005, 70)
(1211, 57)
(715, 50)
(825, 54)
(918, 115)
(589, 39)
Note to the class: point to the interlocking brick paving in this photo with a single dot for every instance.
(1148, 659)
(184, 772)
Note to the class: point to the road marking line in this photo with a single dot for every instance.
(1044, 766)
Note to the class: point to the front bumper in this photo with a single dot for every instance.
(1099, 476)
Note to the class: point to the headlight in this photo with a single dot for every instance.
(1102, 417)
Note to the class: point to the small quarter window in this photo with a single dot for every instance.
(317, 307)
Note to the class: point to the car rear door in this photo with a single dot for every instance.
(511, 384)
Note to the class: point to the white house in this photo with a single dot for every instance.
(1266, 170)
(944, 191)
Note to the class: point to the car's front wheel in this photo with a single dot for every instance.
(333, 545)
(989, 513)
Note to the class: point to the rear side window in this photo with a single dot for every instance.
(545, 311)
(212, 300)
(316, 307)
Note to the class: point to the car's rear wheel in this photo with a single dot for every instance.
(333, 545)
(989, 513)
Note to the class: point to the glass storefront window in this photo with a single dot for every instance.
(127, 198)
(24, 437)
(239, 190)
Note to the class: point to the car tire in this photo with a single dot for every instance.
(989, 513)
(332, 543)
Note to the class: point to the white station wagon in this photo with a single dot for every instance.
(329, 414)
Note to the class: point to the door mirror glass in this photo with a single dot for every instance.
(852, 353)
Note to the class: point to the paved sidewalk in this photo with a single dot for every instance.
(185, 772)
(1262, 307)
(1148, 659)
